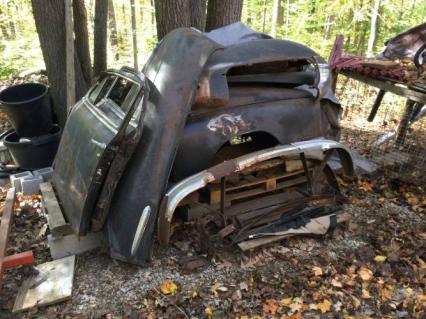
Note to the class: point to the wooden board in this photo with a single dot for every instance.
(262, 202)
(388, 86)
(6, 222)
(51, 285)
(73, 245)
(57, 223)
(381, 64)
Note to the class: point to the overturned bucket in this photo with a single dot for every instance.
(27, 106)
(36, 152)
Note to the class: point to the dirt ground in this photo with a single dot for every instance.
(373, 266)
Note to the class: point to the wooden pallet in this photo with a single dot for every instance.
(255, 186)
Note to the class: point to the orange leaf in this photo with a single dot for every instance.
(365, 274)
(324, 306)
(270, 306)
(168, 287)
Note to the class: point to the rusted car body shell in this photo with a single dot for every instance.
(197, 102)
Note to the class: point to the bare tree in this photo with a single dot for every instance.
(82, 48)
(223, 12)
(134, 35)
(373, 28)
(198, 13)
(113, 34)
(100, 37)
(49, 16)
(275, 11)
(171, 14)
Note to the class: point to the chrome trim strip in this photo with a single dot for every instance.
(143, 221)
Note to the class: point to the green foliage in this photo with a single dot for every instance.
(312, 22)
(317, 22)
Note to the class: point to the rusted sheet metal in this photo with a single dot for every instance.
(173, 78)
(88, 145)
(406, 44)
(313, 149)
(125, 148)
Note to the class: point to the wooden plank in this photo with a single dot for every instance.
(261, 190)
(57, 224)
(6, 222)
(73, 245)
(381, 64)
(388, 86)
(25, 258)
(51, 285)
(262, 202)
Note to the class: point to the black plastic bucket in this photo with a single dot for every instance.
(27, 106)
(36, 152)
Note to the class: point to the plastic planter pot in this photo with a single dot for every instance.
(27, 106)
(36, 152)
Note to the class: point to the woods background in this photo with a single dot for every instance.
(312, 22)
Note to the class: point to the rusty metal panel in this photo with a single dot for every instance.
(173, 70)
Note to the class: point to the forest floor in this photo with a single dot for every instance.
(374, 266)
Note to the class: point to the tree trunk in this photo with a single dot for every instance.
(373, 28)
(223, 12)
(134, 36)
(264, 16)
(152, 12)
(287, 18)
(280, 19)
(49, 16)
(3, 28)
(100, 37)
(113, 36)
(82, 39)
(11, 14)
(275, 9)
(329, 26)
(198, 13)
(69, 56)
(171, 14)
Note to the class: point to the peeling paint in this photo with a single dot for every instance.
(228, 124)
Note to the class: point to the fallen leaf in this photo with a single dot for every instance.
(168, 287)
(243, 286)
(366, 294)
(237, 295)
(365, 274)
(336, 283)
(379, 258)
(324, 306)
(218, 287)
(317, 271)
(386, 294)
(270, 306)
(356, 302)
(286, 302)
(209, 312)
(421, 263)
(421, 235)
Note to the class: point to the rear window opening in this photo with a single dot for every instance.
(268, 67)
(277, 74)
